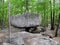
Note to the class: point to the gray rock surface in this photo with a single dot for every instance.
(20, 38)
(26, 20)
(40, 41)
(7, 44)
(17, 38)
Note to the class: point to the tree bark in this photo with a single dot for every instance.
(2, 21)
(52, 15)
(56, 32)
(27, 5)
(9, 13)
(44, 14)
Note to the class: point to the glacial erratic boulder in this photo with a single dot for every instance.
(26, 20)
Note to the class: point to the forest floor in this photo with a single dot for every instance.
(50, 32)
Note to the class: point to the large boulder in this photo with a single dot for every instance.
(18, 37)
(25, 38)
(40, 41)
(26, 20)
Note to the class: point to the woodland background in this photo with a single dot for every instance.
(48, 9)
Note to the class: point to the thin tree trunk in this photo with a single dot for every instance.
(2, 23)
(27, 5)
(0, 12)
(9, 26)
(9, 14)
(44, 15)
(56, 32)
(47, 19)
(52, 15)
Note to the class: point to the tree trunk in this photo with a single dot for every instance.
(2, 21)
(9, 25)
(56, 32)
(44, 15)
(52, 15)
(27, 5)
(0, 12)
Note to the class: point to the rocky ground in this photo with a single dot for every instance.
(29, 37)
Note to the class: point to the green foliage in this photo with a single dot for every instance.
(36, 6)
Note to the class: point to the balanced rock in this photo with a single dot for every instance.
(26, 20)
